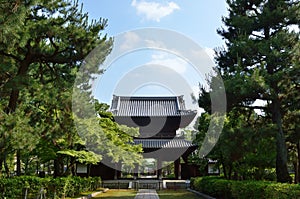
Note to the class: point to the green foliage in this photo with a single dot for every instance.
(258, 63)
(213, 186)
(285, 191)
(54, 187)
(12, 19)
(14, 187)
(43, 44)
(108, 139)
(244, 150)
(87, 157)
(248, 189)
(222, 188)
(71, 186)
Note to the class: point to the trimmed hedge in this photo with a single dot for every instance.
(221, 188)
(54, 187)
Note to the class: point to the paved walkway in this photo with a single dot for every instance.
(146, 194)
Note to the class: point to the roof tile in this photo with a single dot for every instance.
(164, 143)
(148, 106)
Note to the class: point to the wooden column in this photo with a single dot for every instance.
(177, 168)
(119, 172)
(118, 167)
(159, 168)
(136, 171)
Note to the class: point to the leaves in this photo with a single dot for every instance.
(86, 157)
(43, 44)
(258, 63)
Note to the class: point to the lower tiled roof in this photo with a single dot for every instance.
(164, 143)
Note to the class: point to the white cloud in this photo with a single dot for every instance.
(155, 44)
(130, 40)
(173, 62)
(153, 10)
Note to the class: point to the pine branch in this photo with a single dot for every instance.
(10, 55)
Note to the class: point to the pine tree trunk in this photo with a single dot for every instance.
(18, 162)
(281, 150)
(14, 96)
(58, 167)
(73, 166)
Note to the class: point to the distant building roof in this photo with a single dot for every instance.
(149, 106)
(164, 143)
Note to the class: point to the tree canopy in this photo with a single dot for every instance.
(42, 47)
(258, 63)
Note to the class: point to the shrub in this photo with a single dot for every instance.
(54, 187)
(214, 186)
(15, 187)
(282, 191)
(248, 189)
(222, 188)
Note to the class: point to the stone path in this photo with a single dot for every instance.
(146, 194)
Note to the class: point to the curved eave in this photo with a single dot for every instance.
(184, 118)
(187, 118)
(164, 143)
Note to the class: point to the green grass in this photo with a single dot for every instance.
(85, 193)
(178, 194)
(118, 194)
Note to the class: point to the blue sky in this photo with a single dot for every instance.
(197, 20)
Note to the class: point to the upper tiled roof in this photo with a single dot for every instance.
(148, 106)
(164, 143)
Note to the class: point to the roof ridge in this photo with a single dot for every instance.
(150, 106)
(145, 96)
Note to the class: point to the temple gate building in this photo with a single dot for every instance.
(158, 119)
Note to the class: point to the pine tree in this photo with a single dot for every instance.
(258, 54)
(43, 44)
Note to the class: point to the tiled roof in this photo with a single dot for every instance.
(149, 106)
(164, 143)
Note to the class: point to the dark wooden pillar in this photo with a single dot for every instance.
(116, 171)
(136, 171)
(159, 169)
(119, 172)
(118, 167)
(177, 168)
